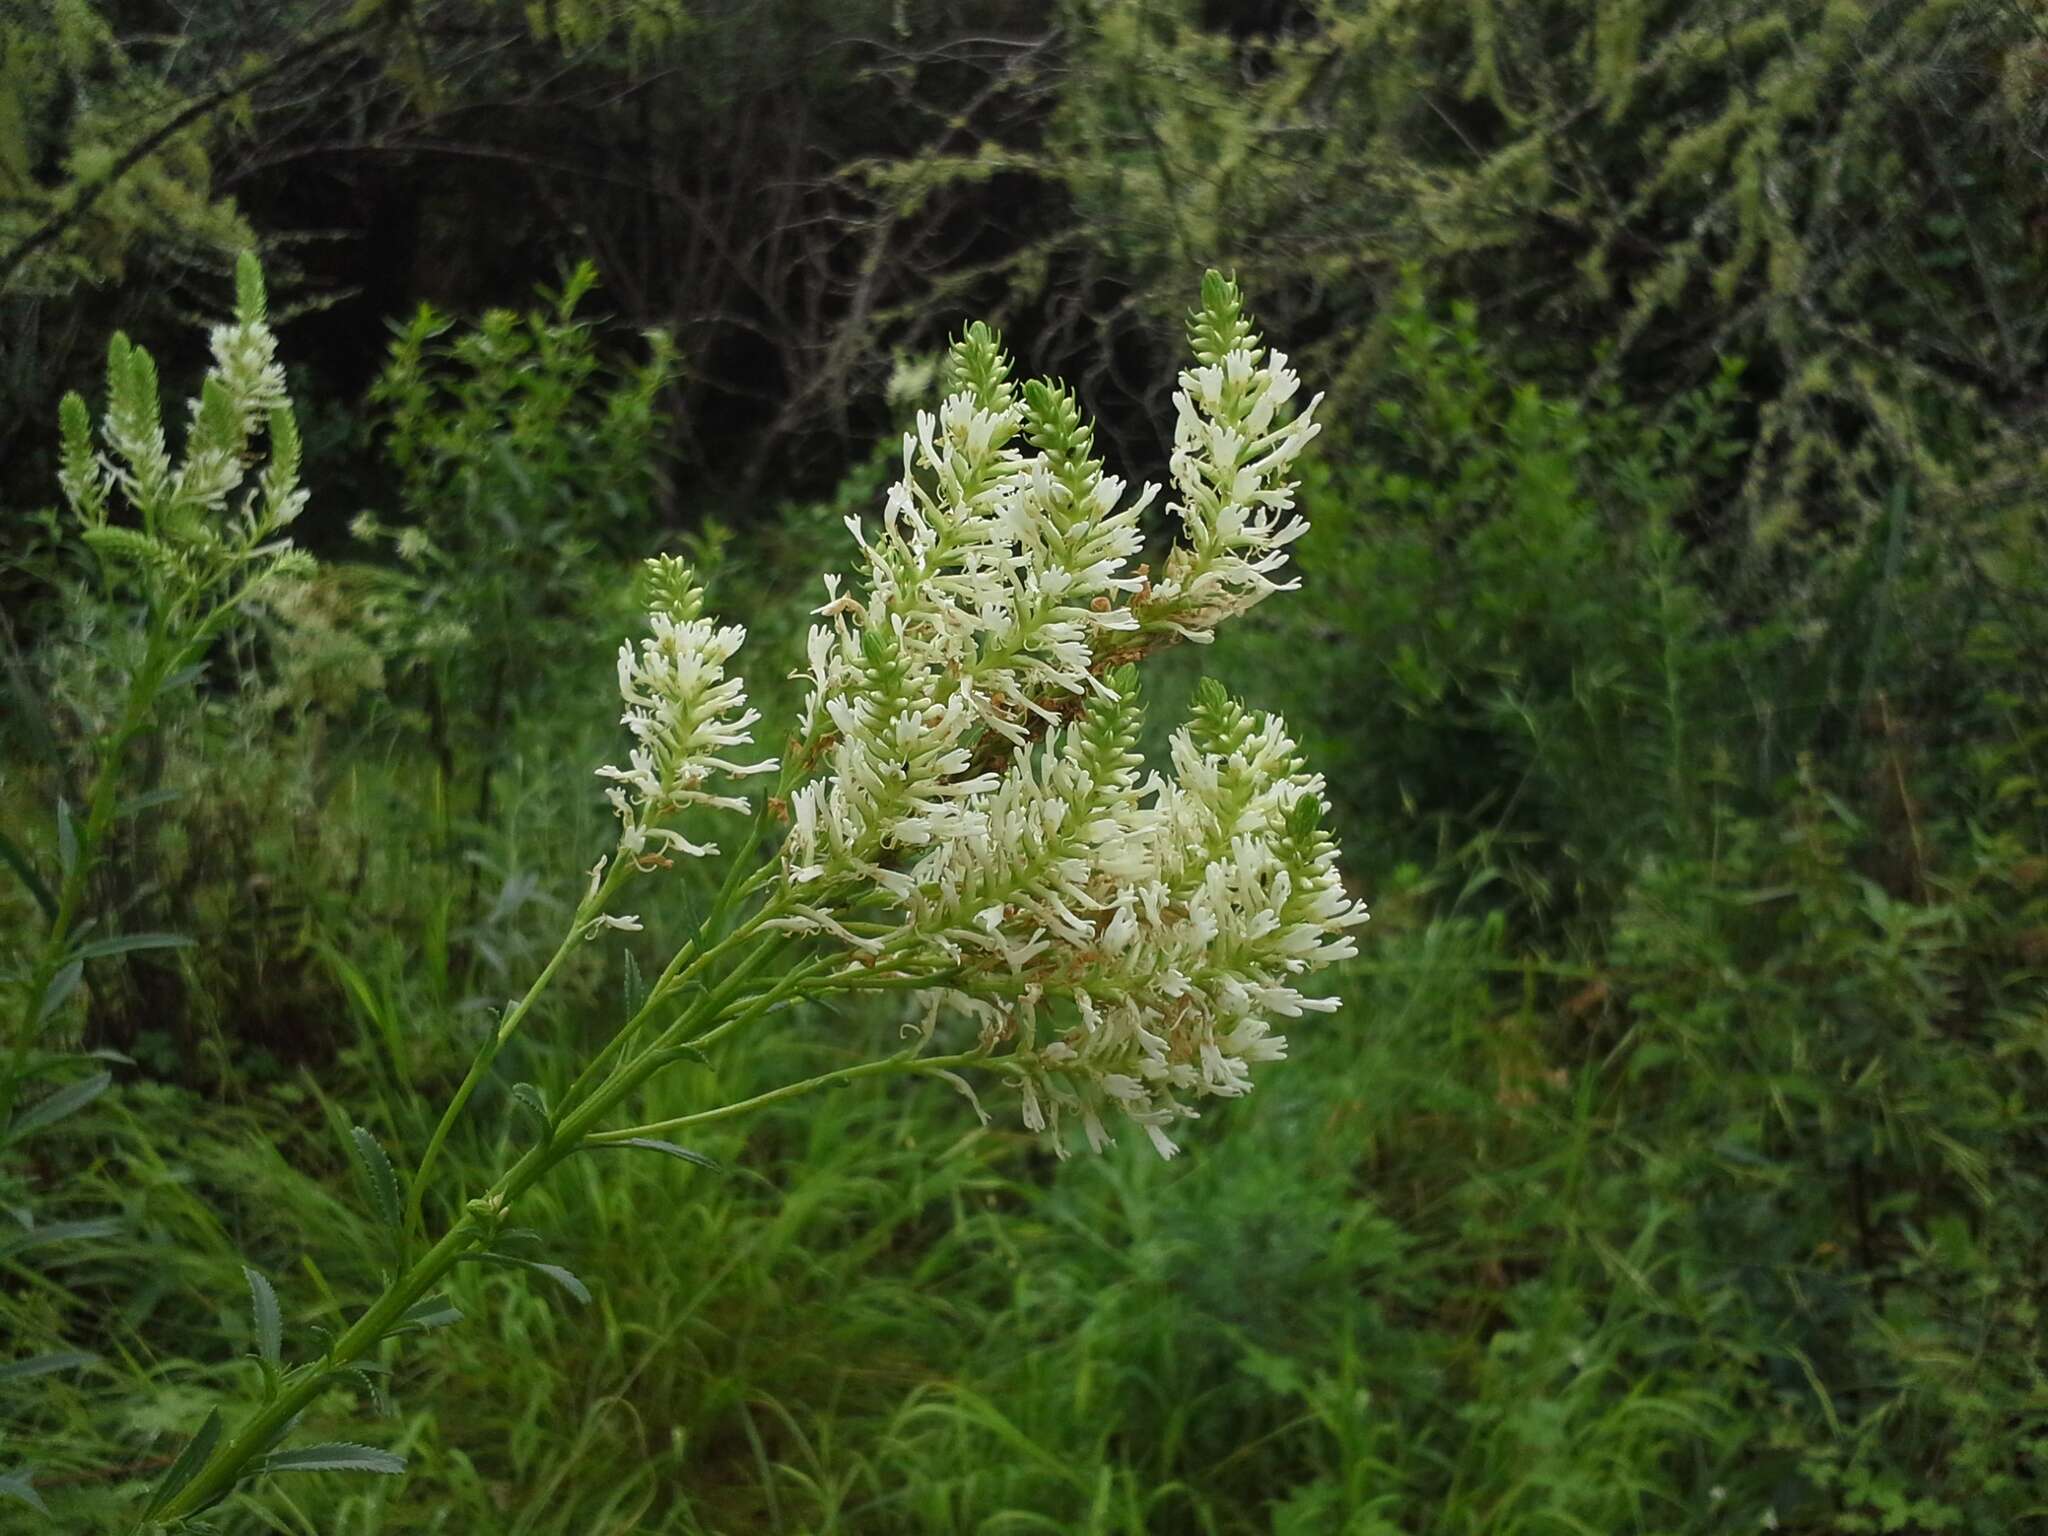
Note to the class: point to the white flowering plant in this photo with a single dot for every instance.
(960, 815)
(179, 547)
(186, 545)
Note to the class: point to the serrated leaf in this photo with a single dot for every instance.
(371, 1387)
(16, 1486)
(44, 1365)
(666, 1148)
(431, 1312)
(336, 1456)
(187, 1466)
(268, 1319)
(122, 944)
(16, 858)
(67, 1100)
(534, 1102)
(380, 1182)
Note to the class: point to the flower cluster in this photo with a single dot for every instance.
(186, 534)
(982, 819)
(989, 590)
(683, 713)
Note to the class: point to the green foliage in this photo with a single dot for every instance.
(526, 470)
(1511, 650)
(1835, 192)
(72, 92)
(171, 578)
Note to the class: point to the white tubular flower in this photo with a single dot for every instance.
(983, 821)
(1206, 947)
(992, 589)
(1231, 458)
(245, 354)
(683, 712)
(1052, 835)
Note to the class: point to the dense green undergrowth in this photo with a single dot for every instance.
(1671, 1168)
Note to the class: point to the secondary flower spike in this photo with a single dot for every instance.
(683, 712)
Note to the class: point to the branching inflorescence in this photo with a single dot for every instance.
(972, 813)
(968, 820)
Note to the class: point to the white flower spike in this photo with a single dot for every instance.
(683, 713)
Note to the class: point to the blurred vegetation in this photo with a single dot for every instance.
(1673, 635)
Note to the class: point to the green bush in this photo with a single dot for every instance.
(1511, 651)
(527, 472)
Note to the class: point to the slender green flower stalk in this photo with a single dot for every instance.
(964, 816)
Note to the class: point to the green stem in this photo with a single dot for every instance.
(224, 1469)
(721, 1008)
(889, 1066)
(660, 1052)
(674, 976)
(788, 985)
(262, 1430)
(142, 692)
(591, 906)
(162, 656)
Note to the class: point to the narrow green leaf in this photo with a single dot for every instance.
(55, 1063)
(121, 944)
(336, 1456)
(636, 989)
(269, 1320)
(380, 1182)
(67, 1100)
(666, 1148)
(59, 991)
(432, 1312)
(371, 1387)
(44, 1365)
(187, 1466)
(16, 1486)
(148, 800)
(675, 1053)
(60, 1232)
(16, 858)
(67, 839)
(566, 1279)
